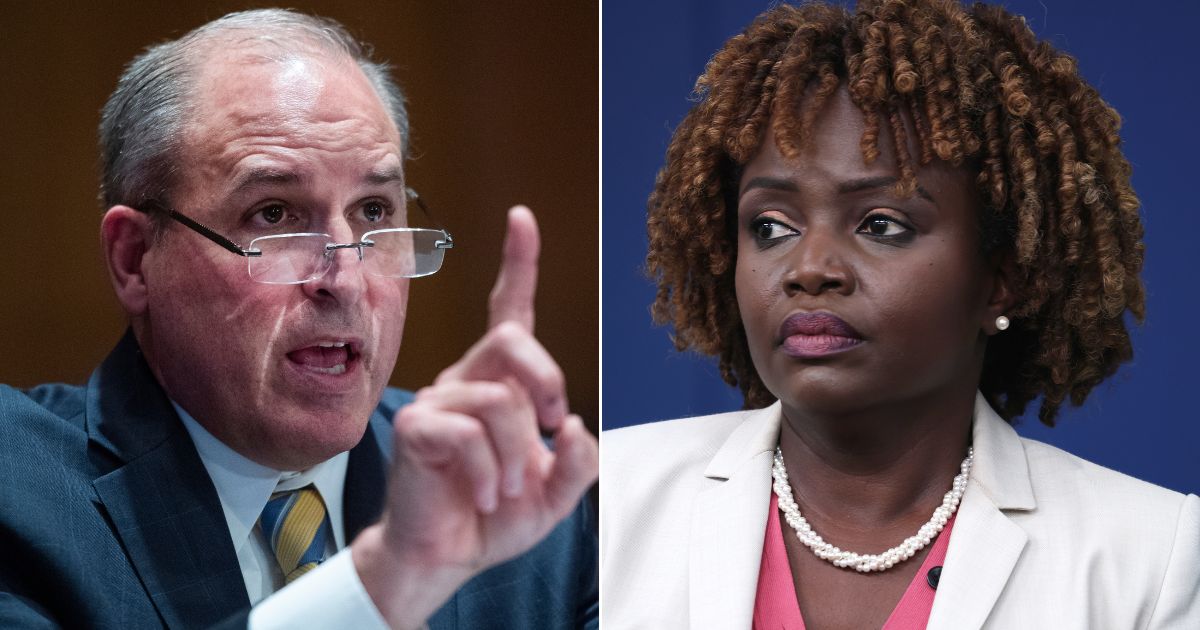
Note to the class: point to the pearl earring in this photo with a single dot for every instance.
(1002, 323)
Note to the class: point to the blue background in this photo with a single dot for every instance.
(1143, 421)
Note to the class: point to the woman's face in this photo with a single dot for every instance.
(851, 296)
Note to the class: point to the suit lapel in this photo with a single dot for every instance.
(728, 523)
(984, 547)
(366, 477)
(158, 496)
(985, 544)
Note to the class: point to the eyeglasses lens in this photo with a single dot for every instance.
(297, 258)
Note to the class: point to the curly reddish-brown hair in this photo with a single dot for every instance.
(981, 90)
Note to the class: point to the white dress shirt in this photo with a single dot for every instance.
(330, 595)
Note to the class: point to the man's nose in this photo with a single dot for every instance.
(819, 262)
(343, 280)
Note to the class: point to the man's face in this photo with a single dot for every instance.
(274, 147)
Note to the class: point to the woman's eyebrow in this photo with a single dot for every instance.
(873, 183)
(846, 187)
(773, 183)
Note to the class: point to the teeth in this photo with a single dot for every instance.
(337, 369)
(332, 344)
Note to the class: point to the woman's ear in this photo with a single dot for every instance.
(125, 236)
(1002, 297)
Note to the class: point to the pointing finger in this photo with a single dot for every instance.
(512, 296)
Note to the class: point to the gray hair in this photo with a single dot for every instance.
(141, 125)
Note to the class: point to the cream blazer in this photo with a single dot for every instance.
(1043, 539)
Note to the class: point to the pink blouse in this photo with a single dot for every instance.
(776, 607)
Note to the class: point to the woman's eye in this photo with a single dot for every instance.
(880, 225)
(766, 229)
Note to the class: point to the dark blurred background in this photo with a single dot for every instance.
(1141, 56)
(504, 105)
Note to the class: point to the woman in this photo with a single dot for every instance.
(897, 229)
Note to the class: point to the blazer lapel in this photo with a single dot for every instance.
(985, 544)
(728, 523)
(158, 496)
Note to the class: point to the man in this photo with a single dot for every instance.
(239, 434)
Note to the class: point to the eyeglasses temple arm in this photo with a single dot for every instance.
(441, 244)
(208, 233)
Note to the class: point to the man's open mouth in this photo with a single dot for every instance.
(326, 357)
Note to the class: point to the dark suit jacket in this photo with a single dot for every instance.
(108, 519)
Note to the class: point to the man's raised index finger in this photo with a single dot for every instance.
(516, 284)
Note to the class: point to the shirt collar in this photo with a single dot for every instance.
(244, 486)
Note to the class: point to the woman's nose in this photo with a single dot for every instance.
(818, 263)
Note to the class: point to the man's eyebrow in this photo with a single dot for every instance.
(273, 176)
(265, 176)
(872, 183)
(772, 183)
(384, 176)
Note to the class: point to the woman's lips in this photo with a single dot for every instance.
(813, 346)
(814, 335)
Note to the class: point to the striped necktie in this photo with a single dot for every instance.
(295, 524)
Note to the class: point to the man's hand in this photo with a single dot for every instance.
(472, 483)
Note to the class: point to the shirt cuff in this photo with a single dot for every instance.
(329, 596)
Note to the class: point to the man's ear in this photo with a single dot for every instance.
(1002, 297)
(125, 235)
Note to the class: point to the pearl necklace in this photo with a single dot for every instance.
(866, 563)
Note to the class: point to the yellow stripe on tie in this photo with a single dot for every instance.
(296, 527)
(299, 571)
(299, 527)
